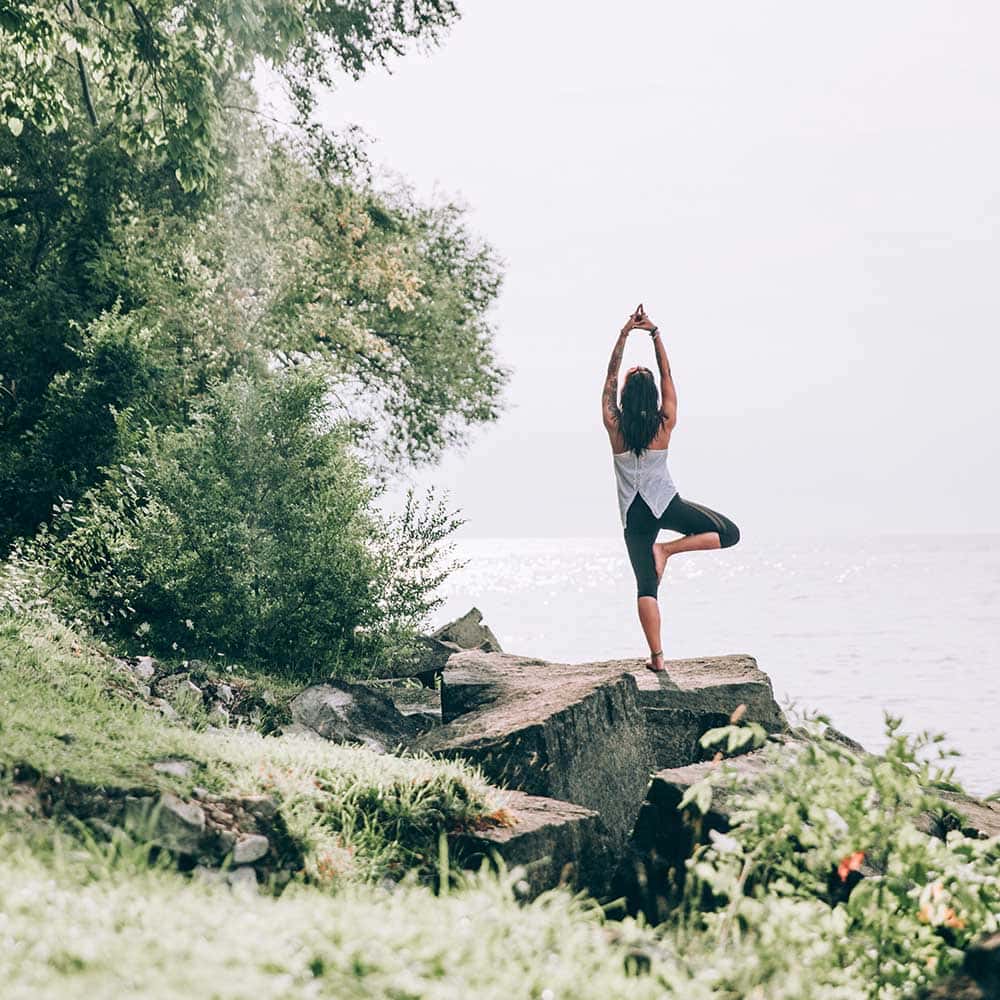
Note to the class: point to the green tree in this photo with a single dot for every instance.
(156, 72)
(136, 196)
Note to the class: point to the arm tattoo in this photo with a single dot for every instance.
(610, 394)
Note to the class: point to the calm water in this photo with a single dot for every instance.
(847, 626)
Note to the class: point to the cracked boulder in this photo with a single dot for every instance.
(469, 632)
(560, 731)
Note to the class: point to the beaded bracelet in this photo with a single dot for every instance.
(654, 332)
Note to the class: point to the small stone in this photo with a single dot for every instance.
(144, 668)
(261, 807)
(164, 708)
(172, 823)
(178, 768)
(244, 878)
(218, 715)
(225, 694)
(180, 824)
(250, 848)
(180, 690)
(227, 841)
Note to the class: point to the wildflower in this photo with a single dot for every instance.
(850, 863)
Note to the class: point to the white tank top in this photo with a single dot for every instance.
(646, 474)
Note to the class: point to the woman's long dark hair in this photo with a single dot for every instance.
(641, 416)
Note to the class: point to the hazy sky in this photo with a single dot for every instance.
(805, 196)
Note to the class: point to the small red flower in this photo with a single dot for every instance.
(852, 863)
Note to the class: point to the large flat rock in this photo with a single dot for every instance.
(557, 843)
(562, 731)
(698, 694)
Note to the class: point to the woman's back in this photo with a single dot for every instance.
(647, 475)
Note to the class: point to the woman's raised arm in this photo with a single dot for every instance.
(609, 394)
(668, 393)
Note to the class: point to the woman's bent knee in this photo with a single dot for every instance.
(730, 536)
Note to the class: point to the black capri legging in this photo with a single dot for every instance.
(641, 527)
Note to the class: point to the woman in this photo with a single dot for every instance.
(639, 430)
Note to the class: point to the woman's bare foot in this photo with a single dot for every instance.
(661, 553)
(656, 663)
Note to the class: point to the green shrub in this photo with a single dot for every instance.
(251, 533)
(836, 843)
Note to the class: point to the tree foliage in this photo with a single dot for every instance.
(155, 72)
(208, 244)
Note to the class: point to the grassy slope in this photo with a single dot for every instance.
(66, 709)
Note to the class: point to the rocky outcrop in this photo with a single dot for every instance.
(590, 733)
(556, 843)
(353, 713)
(560, 731)
(695, 695)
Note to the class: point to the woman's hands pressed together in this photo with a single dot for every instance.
(638, 321)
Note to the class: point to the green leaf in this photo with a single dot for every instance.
(713, 736)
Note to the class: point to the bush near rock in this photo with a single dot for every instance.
(651, 873)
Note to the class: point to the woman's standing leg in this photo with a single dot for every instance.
(640, 534)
